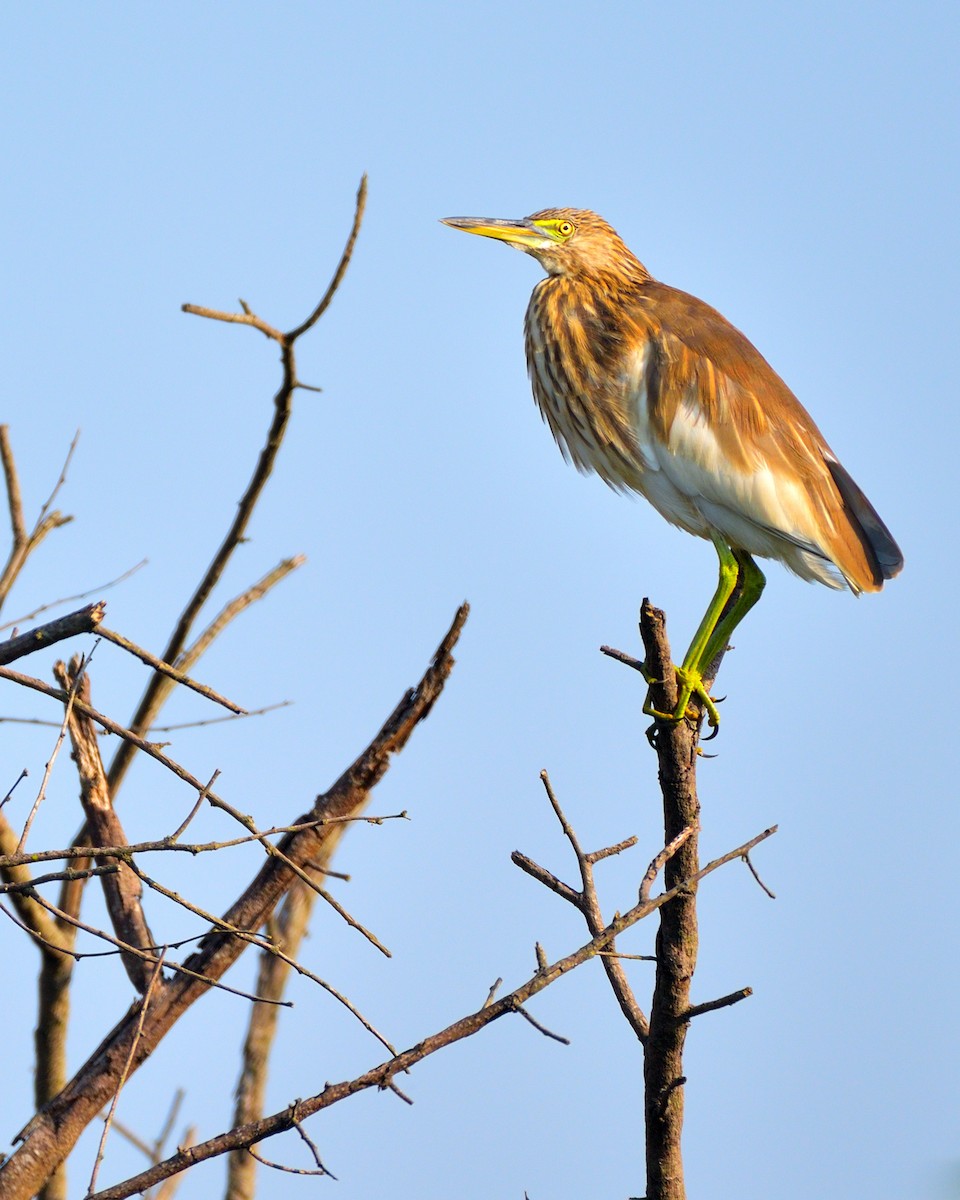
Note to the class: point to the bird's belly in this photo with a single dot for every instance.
(598, 446)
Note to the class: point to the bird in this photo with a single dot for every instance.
(658, 394)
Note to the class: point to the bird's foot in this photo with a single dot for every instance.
(691, 686)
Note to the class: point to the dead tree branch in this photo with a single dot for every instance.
(48, 1138)
(157, 690)
(24, 543)
(382, 1075)
(84, 620)
(121, 889)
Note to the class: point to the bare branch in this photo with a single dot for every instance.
(164, 845)
(588, 903)
(656, 866)
(341, 270)
(549, 880)
(352, 921)
(697, 1010)
(84, 620)
(753, 872)
(596, 856)
(24, 543)
(31, 616)
(244, 318)
(166, 669)
(382, 1075)
(54, 876)
(14, 499)
(557, 1037)
(70, 698)
(160, 686)
(49, 1136)
(621, 656)
(148, 996)
(121, 889)
(13, 786)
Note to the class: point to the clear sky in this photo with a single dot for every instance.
(795, 165)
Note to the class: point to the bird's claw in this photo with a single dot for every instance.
(691, 685)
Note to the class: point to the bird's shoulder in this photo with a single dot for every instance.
(687, 322)
(703, 370)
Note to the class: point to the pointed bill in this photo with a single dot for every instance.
(525, 234)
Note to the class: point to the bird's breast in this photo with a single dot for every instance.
(588, 389)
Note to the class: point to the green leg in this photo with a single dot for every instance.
(715, 629)
(752, 582)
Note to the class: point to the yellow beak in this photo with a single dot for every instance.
(525, 234)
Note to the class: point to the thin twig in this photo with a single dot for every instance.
(656, 866)
(275, 1166)
(494, 988)
(193, 848)
(697, 1010)
(753, 872)
(95, 591)
(70, 699)
(253, 712)
(621, 656)
(352, 921)
(381, 1076)
(204, 792)
(388, 1085)
(147, 997)
(25, 543)
(54, 876)
(268, 947)
(312, 1147)
(148, 954)
(19, 779)
(166, 669)
(557, 1037)
(341, 270)
(160, 686)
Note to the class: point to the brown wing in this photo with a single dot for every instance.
(759, 423)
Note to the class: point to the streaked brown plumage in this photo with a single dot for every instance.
(659, 394)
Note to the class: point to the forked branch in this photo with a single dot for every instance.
(382, 1075)
(50, 1135)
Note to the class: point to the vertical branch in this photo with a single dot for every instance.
(677, 939)
(122, 891)
(287, 932)
(55, 941)
(677, 747)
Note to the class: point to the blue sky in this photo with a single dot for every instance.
(792, 165)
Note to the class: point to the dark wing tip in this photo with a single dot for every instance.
(886, 553)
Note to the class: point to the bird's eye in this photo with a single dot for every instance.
(564, 228)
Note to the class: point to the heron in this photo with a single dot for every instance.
(658, 394)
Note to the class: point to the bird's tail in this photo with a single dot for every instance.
(883, 556)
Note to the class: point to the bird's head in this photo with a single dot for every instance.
(565, 241)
